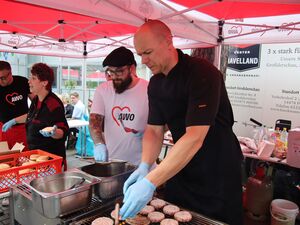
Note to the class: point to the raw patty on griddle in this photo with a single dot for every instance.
(156, 217)
(146, 210)
(171, 209)
(103, 221)
(158, 203)
(183, 216)
(169, 222)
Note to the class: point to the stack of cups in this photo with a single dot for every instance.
(283, 212)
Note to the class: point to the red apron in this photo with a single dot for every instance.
(15, 134)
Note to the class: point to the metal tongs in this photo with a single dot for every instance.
(77, 184)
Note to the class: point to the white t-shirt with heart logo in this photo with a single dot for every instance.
(125, 119)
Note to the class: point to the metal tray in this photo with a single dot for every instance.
(112, 176)
(59, 194)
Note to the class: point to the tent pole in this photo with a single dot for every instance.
(217, 58)
(58, 78)
(84, 82)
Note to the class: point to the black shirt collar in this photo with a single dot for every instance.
(175, 69)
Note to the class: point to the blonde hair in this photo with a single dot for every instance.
(65, 98)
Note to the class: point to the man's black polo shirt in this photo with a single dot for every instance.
(194, 93)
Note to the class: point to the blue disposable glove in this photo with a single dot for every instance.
(49, 133)
(136, 198)
(100, 152)
(8, 125)
(137, 175)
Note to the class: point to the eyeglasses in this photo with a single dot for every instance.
(118, 72)
(3, 78)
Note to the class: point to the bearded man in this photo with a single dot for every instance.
(122, 105)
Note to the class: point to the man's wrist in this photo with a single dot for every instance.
(145, 165)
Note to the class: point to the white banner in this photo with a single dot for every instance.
(268, 92)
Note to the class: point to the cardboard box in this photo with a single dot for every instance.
(265, 149)
(293, 152)
(4, 149)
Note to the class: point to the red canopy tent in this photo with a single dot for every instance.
(33, 29)
(77, 28)
(225, 10)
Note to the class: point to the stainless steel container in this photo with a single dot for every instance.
(112, 176)
(62, 193)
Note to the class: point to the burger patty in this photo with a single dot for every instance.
(158, 203)
(183, 216)
(156, 217)
(171, 209)
(103, 221)
(147, 209)
(169, 222)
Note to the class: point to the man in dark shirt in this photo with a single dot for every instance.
(14, 93)
(203, 169)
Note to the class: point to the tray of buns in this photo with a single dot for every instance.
(25, 166)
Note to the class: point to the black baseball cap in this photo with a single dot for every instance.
(119, 57)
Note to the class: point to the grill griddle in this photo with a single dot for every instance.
(99, 208)
(107, 208)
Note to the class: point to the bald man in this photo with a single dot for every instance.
(203, 170)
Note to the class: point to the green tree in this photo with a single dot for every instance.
(70, 85)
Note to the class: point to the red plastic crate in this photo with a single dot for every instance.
(17, 173)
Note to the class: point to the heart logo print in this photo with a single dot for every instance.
(115, 112)
(235, 30)
(9, 97)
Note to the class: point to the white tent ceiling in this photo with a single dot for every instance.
(105, 24)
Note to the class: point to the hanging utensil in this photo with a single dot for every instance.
(256, 122)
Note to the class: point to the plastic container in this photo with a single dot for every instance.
(284, 137)
(277, 133)
(283, 212)
(259, 193)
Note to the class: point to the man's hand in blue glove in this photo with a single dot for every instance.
(100, 152)
(137, 175)
(136, 198)
(49, 133)
(8, 125)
